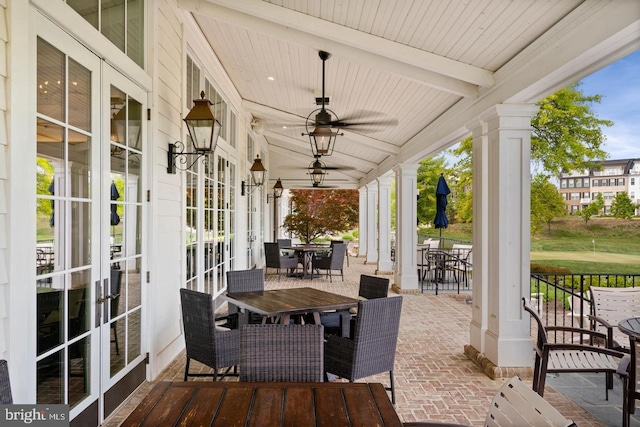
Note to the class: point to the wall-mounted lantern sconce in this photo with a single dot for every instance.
(203, 129)
(258, 174)
(277, 191)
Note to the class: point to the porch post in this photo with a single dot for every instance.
(480, 289)
(372, 223)
(385, 265)
(406, 268)
(362, 226)
(507, 339)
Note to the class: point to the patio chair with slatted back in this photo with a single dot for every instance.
(515, 405)
(210, 345)
(340, 322)
(275, 259)
(243, 281)
(335, 261)
(372, 348)
(566, 354)
(5, 385)
(282, 353)
(608, 307)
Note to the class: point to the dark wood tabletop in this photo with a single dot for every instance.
(286, 302)
(228, 404)
(630, 326)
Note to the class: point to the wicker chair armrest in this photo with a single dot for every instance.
(345, 324)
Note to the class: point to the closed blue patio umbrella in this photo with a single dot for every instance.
(442, 191)
(115, 195)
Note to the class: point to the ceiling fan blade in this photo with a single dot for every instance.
(377, 123)
(333, 168)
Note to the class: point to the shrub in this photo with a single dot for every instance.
(547, 269)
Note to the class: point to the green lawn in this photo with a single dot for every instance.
(570, 244)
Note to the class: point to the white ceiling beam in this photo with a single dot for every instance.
(375, 52)
(368, 143)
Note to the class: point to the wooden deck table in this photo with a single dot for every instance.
(199, 403)
(283, 303)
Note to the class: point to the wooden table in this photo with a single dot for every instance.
(286, 302)
(228, 404)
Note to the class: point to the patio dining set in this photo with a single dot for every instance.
(284, 256)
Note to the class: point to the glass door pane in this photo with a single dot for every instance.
(65, 160)
(122, 293)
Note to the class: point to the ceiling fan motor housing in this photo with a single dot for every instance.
(323, 118)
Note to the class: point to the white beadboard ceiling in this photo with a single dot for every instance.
(421, 68)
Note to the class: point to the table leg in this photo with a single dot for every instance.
(316, 317)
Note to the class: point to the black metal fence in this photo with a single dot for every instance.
(564, 300)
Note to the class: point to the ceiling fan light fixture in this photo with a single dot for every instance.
(322, 140)
(316, 172)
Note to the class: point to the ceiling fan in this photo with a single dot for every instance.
(322, 131)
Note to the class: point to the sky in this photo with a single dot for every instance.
(619, 84)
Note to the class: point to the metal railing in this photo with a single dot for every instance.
(564, 300)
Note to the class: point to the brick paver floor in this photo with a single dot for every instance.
(434, 379)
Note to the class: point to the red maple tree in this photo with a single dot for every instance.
(317, 213)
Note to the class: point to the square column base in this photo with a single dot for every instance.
(495, 372)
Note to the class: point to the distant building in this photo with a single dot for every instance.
(579, 188)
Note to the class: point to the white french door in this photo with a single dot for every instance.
(90, 251)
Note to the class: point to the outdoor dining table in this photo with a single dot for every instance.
(307, 252)
(199, 403)
(283, 303)
(630, 326)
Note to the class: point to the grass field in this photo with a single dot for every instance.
(603, 245)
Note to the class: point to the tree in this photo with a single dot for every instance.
(622, 206)
(427, 180)
(546, 203)
(567, 135)
(594, 208)
(317, 213)
(463, 203)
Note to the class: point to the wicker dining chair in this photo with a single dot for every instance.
(213, 346)
(243, 281)
(5, 385)
(335, 261)
(275, 259)
(282, 353)
(340, 322)
(372, 349)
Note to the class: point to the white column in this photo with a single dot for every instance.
(480, 233)
(385, 265)
(406, 268)
(372, 223)
(362, 227)
(507, 339)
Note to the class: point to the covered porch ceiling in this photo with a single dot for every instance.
(406, 75)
